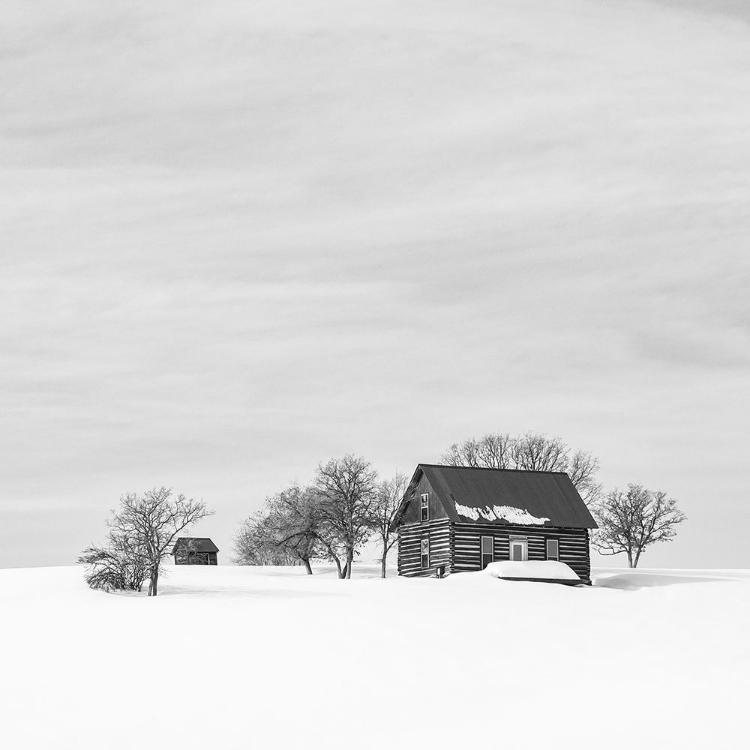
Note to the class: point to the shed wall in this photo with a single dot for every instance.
(190, 557)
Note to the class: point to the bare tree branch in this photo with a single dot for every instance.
(284, 533)
(346, 494)
(631, 521)
(144, 529)
(531, 452)
(387, 503)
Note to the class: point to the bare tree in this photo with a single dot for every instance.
(295, 518)
(113, 568)
(493, 451)
(582, 467)
(255, 544)
(531, 452)
(634, 520)
(303, 523)
(537, 452)
(150, 523)
(284, 533)
(387, 502)
(346, 493)
(462, 454)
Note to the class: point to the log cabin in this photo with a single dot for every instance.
(198, 551)
(455, 519)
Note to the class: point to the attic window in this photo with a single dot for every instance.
(553, 549)
(425, 507)
(424, 549)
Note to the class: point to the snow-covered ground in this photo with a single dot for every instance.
(245, 657)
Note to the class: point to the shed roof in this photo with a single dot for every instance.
(194, 544)
(494, 496)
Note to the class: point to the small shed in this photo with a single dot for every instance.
(458, 518)
(199, 551)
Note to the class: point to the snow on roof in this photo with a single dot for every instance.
(501, 513)
(546, 570)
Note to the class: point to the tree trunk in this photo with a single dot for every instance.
(630, 559)
(637, 558)
(382, 567)
(338, 567)
(349, 561)
(153, 582)
(306, 563)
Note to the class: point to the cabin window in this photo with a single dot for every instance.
(424, 550)
(487, 551)
(553, 549)
(519, 550)
(425, 506)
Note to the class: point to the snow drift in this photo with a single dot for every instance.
(534, 569)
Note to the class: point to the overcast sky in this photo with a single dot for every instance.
(241, 238)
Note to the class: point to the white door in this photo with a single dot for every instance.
(519, 550)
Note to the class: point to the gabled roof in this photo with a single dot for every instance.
(510, 496)
(194, 544)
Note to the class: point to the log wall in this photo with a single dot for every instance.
(573, 545)
(457, 546)
(409, 547)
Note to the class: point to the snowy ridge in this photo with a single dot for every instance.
(501, 513)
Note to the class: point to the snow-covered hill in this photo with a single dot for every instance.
(242, 657)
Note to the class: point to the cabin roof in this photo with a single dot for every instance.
(502, 496)
(195, 544)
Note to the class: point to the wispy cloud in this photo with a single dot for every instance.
(238, 239)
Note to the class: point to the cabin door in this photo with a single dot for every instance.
(519, 550)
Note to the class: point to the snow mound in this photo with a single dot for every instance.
(535, 569)
(500, 513)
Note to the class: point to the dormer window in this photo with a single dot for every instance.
(425, 507)
(424, 551)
